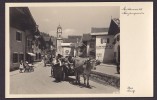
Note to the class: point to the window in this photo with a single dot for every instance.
(105, 40)
(21, 57)
(92, 53)
(114, 42)
(15, 57)
(91, 45)
(108, 40)
(18, 36)
(29, 43)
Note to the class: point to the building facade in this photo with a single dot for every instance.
(70, 46)
(22, 30)
(66, 49)
(49, 46)
(89, 45)
(17, 49)
(114, 30)
(103, 45)
(37, 49)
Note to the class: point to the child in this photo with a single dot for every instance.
(21, 66)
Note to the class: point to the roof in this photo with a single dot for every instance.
(47, 38)
(65, 40)
(72, 39)
(59, 26)
(21, 17)
(100, 33)
(99, 30)
(86, 37)
(117, 21)
(114, 27)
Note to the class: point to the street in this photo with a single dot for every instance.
(41, 82)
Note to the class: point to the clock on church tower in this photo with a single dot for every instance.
(59, 32)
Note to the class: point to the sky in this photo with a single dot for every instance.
(73, 20)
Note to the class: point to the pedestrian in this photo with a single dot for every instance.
(58, 68)
(21, 66)
(27, 68)
(59, 60)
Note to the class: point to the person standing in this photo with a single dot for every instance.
(21, 66)
(58, 68)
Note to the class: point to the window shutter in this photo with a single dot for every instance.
(18, 36)
(101, 41)
(108, 40)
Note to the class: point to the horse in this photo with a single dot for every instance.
(82, 66)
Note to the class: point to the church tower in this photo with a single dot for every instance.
(59, 40)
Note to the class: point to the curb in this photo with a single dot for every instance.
(105, 79)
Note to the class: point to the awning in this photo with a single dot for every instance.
(31, 54)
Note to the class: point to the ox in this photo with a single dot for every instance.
(82, 66)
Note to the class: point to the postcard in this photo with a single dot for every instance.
(83, 49)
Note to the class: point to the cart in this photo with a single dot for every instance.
(47, 60)
(68, 70)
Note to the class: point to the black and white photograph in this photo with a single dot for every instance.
(65, 49)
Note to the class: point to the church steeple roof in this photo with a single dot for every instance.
(59, 26)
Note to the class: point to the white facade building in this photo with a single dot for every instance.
(66, 49)
(104, 46)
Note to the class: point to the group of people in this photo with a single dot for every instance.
(61, 65)
(25, 67)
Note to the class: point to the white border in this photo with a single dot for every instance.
(145, 90)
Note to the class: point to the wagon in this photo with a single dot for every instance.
(62, 72)
(47, 60)
(68, 70)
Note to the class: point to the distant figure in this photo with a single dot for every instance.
(26, 67)
(21, 66)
